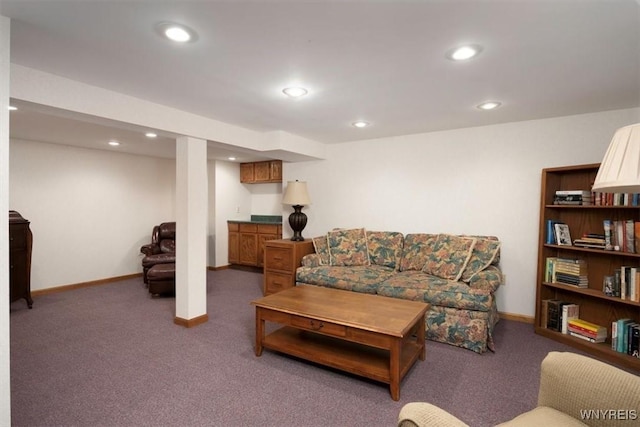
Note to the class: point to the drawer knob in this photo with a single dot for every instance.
(316, 326)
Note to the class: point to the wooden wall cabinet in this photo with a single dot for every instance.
(20, 243)
(595, 306)
(246, 242)
(246, 173)
(281, 259)
(261, 172)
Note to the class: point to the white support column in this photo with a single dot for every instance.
(5, 63)
(191, 231)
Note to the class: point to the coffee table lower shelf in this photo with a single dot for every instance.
(355, 358)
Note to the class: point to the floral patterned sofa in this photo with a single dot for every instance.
(457, 275)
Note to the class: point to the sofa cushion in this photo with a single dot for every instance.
(348, 247)
(449, 256)
(385, 248)
(541, 416)
(321, 247)
(364, 279)
(418, 286)
(483, 255)
(416, 249)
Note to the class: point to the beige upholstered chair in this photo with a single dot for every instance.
(570, 386)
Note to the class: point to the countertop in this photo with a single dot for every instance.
(259, 219)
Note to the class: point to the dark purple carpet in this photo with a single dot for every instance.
(111, 355)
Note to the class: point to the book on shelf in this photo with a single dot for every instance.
(627, 286)
(553, 314)
(583, 329)
(620, 235)
(551, 231)
(563, 235)
(622, 327)
(567, 271)
(629, 238)
(615, 199)
(571, 280)
(588, 326)
(573, 197)
(634, 341)
(569, 312)
(607, 225)
(586, 338)
(585, 193)
(593, 241)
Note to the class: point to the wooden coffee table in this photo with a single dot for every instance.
(368, 335)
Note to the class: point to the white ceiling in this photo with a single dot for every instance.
(379, 61)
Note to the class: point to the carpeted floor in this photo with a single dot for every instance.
(111, 355)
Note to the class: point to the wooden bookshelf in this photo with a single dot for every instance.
(595, 306)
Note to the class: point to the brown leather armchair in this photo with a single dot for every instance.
(161, 250)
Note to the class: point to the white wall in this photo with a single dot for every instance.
(90, 210)
(482, 180)
(236, 201)
(232, 201)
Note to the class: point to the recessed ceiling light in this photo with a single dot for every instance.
(489, 105)
(295, 92)
(463, 53)
(231, 158)
(12, 108)
(150, 135)
(360, 124)
(114, 143)
(176, 32)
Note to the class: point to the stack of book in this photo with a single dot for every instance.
(573, 197)
(621, 235)
(626, 283)
(625, 337)
(587, 331)
(592, 241)
(567, 271)
(616, 199)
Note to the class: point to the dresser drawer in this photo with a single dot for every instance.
(276, 282)
(268, 229)
(318, 326)
(18, 237)
(279, 259)
(248, 228)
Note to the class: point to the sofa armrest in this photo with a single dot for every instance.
(311, 260)
(572, 383)
(488, 279)
(150, 249)
(422, 414)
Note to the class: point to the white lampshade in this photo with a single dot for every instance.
(620, 169)
(296, 194)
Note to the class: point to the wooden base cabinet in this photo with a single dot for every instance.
(281, 259)
(20, 242)
(247, 240)
(595, 306)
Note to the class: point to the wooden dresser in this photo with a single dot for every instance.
(20, 241)
(281, 258)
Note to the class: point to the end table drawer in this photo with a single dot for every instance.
(275, 282)
(279, 259)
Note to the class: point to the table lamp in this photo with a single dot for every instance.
(297, 196)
